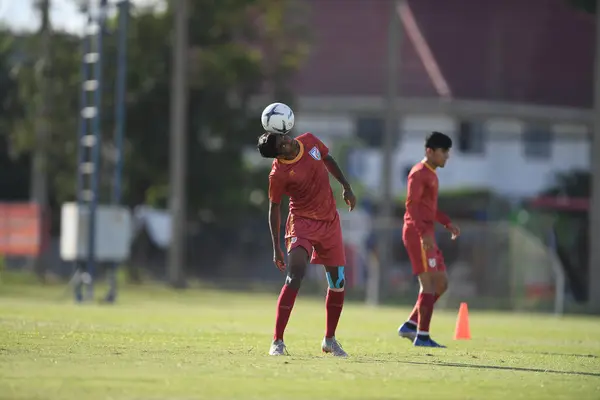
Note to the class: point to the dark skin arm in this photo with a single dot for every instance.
(274, 224)
(335, 170)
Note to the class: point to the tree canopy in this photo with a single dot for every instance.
(238, 48)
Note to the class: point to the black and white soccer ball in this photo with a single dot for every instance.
(277, 118)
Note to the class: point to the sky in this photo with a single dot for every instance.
(19, 14)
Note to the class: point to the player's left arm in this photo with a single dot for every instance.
(445, 220)
(335, 170)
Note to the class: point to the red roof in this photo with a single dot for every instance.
(529, 51)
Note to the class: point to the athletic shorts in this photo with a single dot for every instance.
(322, 240)
(421, 260)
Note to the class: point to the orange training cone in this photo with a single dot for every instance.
(462, 331)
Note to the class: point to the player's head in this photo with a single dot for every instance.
(274, 145)
(437, 148)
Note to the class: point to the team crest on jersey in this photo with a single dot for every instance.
(315, 153)
(432, 263)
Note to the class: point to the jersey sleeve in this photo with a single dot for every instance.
(276, 187)
(442, 218)
(324, 150)
(414, 194)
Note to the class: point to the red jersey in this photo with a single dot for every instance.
(305, 180)
(421, 200)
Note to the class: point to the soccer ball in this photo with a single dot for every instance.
(277, 118)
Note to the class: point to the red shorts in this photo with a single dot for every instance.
(321, 239)
(421, 260)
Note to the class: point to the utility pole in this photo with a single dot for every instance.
(594, 211)
(178, 144)
(386, 212)
(39, 177)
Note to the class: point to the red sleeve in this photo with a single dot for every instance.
(442, 218)
(276, 187)
(324, 150)
(413, 197)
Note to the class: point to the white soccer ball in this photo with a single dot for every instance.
(277, 118)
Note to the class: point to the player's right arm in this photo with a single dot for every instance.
(276, 191)
(414, 196)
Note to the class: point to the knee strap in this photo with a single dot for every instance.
(336, 278)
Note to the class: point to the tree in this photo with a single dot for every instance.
(585, 5)
(14, 169)
(238, 47)
(575, 183)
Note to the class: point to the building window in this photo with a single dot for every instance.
(471, 137)
(371, 130)
(537, 142)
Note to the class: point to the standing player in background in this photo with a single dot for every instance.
(300, 170)
(418, 237)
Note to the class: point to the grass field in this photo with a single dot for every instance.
(158, 344)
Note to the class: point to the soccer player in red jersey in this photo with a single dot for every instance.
(418, 237)
(313, 231)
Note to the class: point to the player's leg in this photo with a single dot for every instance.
(334, 303)
(329, 251)
(296, 269)
(412, 243)
(428, 268)
(441, 285)
(426, 301)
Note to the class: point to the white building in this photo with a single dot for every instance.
(507, 155)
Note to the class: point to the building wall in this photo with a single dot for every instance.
(513, 157)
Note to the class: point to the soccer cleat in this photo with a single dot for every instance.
(331, 345)
(408, 331)
(278, 348)
(428, 342)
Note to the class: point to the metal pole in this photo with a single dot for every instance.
(97, 132)
(83, 118)
(39, 178)
(386, 213)
(120, 119)
(120, 109)
(82, 145)
(594, 217)
(179, 104)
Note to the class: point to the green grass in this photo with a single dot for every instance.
(159, 344)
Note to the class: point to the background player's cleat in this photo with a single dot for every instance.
(429, 342)
(332, 346)
(278, 348)
(408, 331)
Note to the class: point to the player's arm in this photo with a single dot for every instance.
(414, 196)
(335, 170)
(276, 191)
(445, 220)
(442, 218)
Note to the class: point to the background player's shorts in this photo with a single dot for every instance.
(421, 260)
(322, 240)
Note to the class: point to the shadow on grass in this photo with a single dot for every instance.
(479, 366)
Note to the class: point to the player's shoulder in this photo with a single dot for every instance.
(275, 168)
(420, 170)
(307, 138)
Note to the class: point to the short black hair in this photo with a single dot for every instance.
(437, 140)
(267, 145)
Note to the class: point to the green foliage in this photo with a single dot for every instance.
(575, 183)
(237, 47)
(588, 6)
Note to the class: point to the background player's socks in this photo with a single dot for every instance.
(333, 304)
(285, 303)
(426, 301)
(413, 320)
